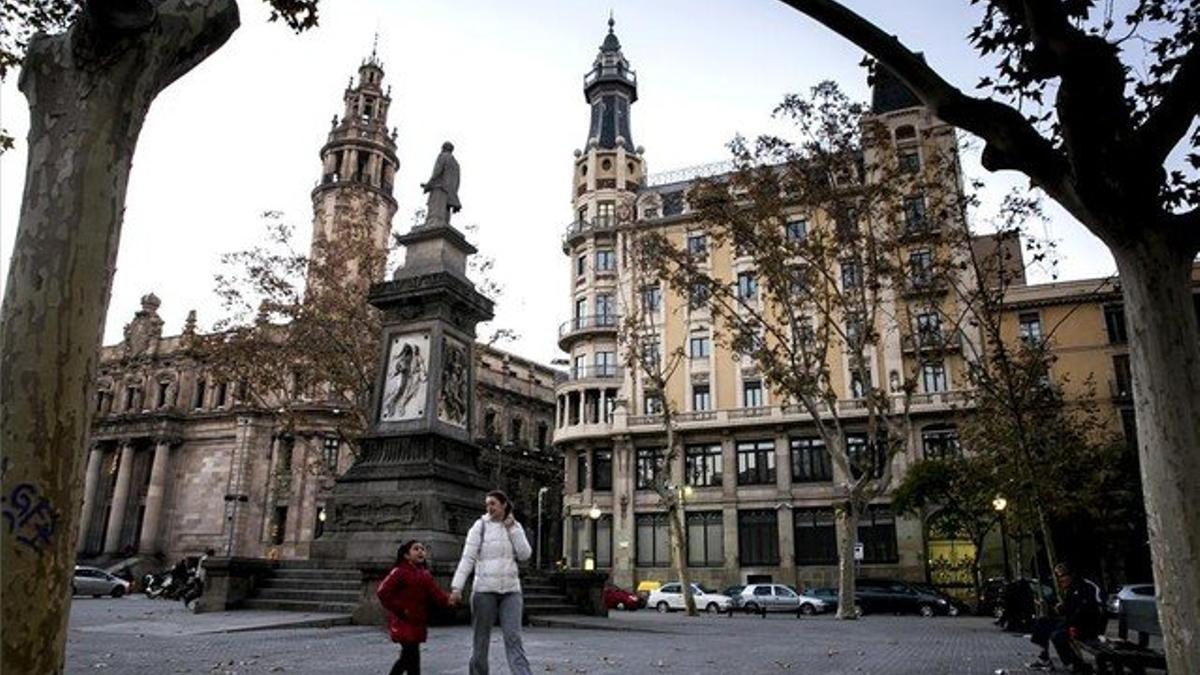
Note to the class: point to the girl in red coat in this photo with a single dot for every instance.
(406, 594)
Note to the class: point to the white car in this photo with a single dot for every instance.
(97, 582)
(669, 597)
(778, 598)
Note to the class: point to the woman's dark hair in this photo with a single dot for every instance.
(503, 499)
(402, 552)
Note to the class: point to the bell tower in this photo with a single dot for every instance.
(358, 162)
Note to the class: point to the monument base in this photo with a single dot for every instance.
(423, 486)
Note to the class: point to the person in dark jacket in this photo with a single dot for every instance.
(1082, 618)
(407, 593)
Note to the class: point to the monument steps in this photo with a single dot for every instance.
(308, 586)
(301, 606)
(311, 584)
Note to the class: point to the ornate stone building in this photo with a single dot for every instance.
(180, 462)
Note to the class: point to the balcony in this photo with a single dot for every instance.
(582, 326)
(578, 229)
(932, 341)
(599, 372)
(610, 73)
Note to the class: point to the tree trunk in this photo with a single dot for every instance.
(89, 91)
(1164, 352)
(679, 555)
(847, 537)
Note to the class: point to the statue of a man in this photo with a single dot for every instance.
(442, 187)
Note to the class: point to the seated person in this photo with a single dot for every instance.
(1081, 617)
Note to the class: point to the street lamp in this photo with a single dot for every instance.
(1000, 504)
(589, 556)
(594, 512)
(541, 495)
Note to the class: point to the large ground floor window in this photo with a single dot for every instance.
(705, 539)
(815, 537)
(653, 540)
(758, 537)
(877, 534)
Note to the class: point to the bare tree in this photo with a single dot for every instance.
(90, 71)
(1101, 150)
(799, 211)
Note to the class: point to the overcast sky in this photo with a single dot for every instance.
(241, 133)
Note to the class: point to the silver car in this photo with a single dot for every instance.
(97, 582)
(778, 598)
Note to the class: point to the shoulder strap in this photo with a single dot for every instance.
(482, 533)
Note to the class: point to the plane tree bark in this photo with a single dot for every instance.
(1104, 160)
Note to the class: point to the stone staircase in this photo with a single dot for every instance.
(308, 586)
(542, 598)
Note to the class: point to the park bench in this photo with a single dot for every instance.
(1121, 656)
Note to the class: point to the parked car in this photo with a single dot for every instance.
(645, 588)
(619, 598)
(955, 606)
(1130, 593)
(827, 595)
(890, 596)
(97, 582)
(991, 598)
(777, 598)
(670, 597)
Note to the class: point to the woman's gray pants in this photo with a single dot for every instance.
(484, 609)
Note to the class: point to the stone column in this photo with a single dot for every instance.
(120, 500)
(91, 482)
(154, 497)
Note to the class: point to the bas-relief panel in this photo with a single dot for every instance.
(452, 401)
(407, 378)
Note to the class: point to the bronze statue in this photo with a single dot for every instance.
(442, 187)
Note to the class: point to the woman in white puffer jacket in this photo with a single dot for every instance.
(495, 543)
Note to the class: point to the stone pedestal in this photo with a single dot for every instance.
(418, 474)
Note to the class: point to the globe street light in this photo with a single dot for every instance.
(541, 494)
(1000, 504)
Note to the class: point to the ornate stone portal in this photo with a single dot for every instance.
(418, 475)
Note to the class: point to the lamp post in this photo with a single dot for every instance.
(1000, 504)
(234, 500)
(589, 556)
(541, 494)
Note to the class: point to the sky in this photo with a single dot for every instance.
(241, 133)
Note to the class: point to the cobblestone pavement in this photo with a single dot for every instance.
(100, 642)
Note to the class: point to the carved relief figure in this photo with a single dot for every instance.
(404, 392)
(452, 403)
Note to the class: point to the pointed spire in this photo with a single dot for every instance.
(611, 22)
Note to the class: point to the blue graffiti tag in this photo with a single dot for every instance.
(29, 516)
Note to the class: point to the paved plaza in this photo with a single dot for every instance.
(135, 635)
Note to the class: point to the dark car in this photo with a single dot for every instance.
(827, 594)
(956, 606)
(991, 598)
(891, 596)
(619, 598)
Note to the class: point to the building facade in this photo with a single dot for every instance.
(758, 484)
(180, 461)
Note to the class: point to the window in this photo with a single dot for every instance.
(580, 312)
(702, 465)
(705, 539)
(581, 265)
(201, 390)
(877, 534)
(929, 329)
(758, 537)
(752, 394)
(279, 525)
(606, 364)
(542, 433)
(602, 537)
(803, 335)
(581, 471)
(699, 346)
(920, 267)
(914, 214)
(672, 203)
(860, 383)
(756, 462)
(161, 399)
(331, 447)
(222, 394)
(865, 457)
(810, 461)
(851, 274)
(651, 356)
(797, 281)
(846, 222)
(283, 460)
(489, 422)
(1114, 322)
(606, 309)
(651, 298)
(653, 541)
(647, 459)
(940, 442)
(604, 214)
(1029, 327)
(815, 536)
(933, 377)
(701, 399)
(909, 160)
(606, 260)
(1122, 376)
(697, 245)
(515, 431)
(580, 367)
(653, 405)
(602, 470)
(581, 216)
(747, 286)
(698, 295)
(795, 230)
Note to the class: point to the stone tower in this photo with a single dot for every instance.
(358, 162)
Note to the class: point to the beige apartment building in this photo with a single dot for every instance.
(758, 484)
